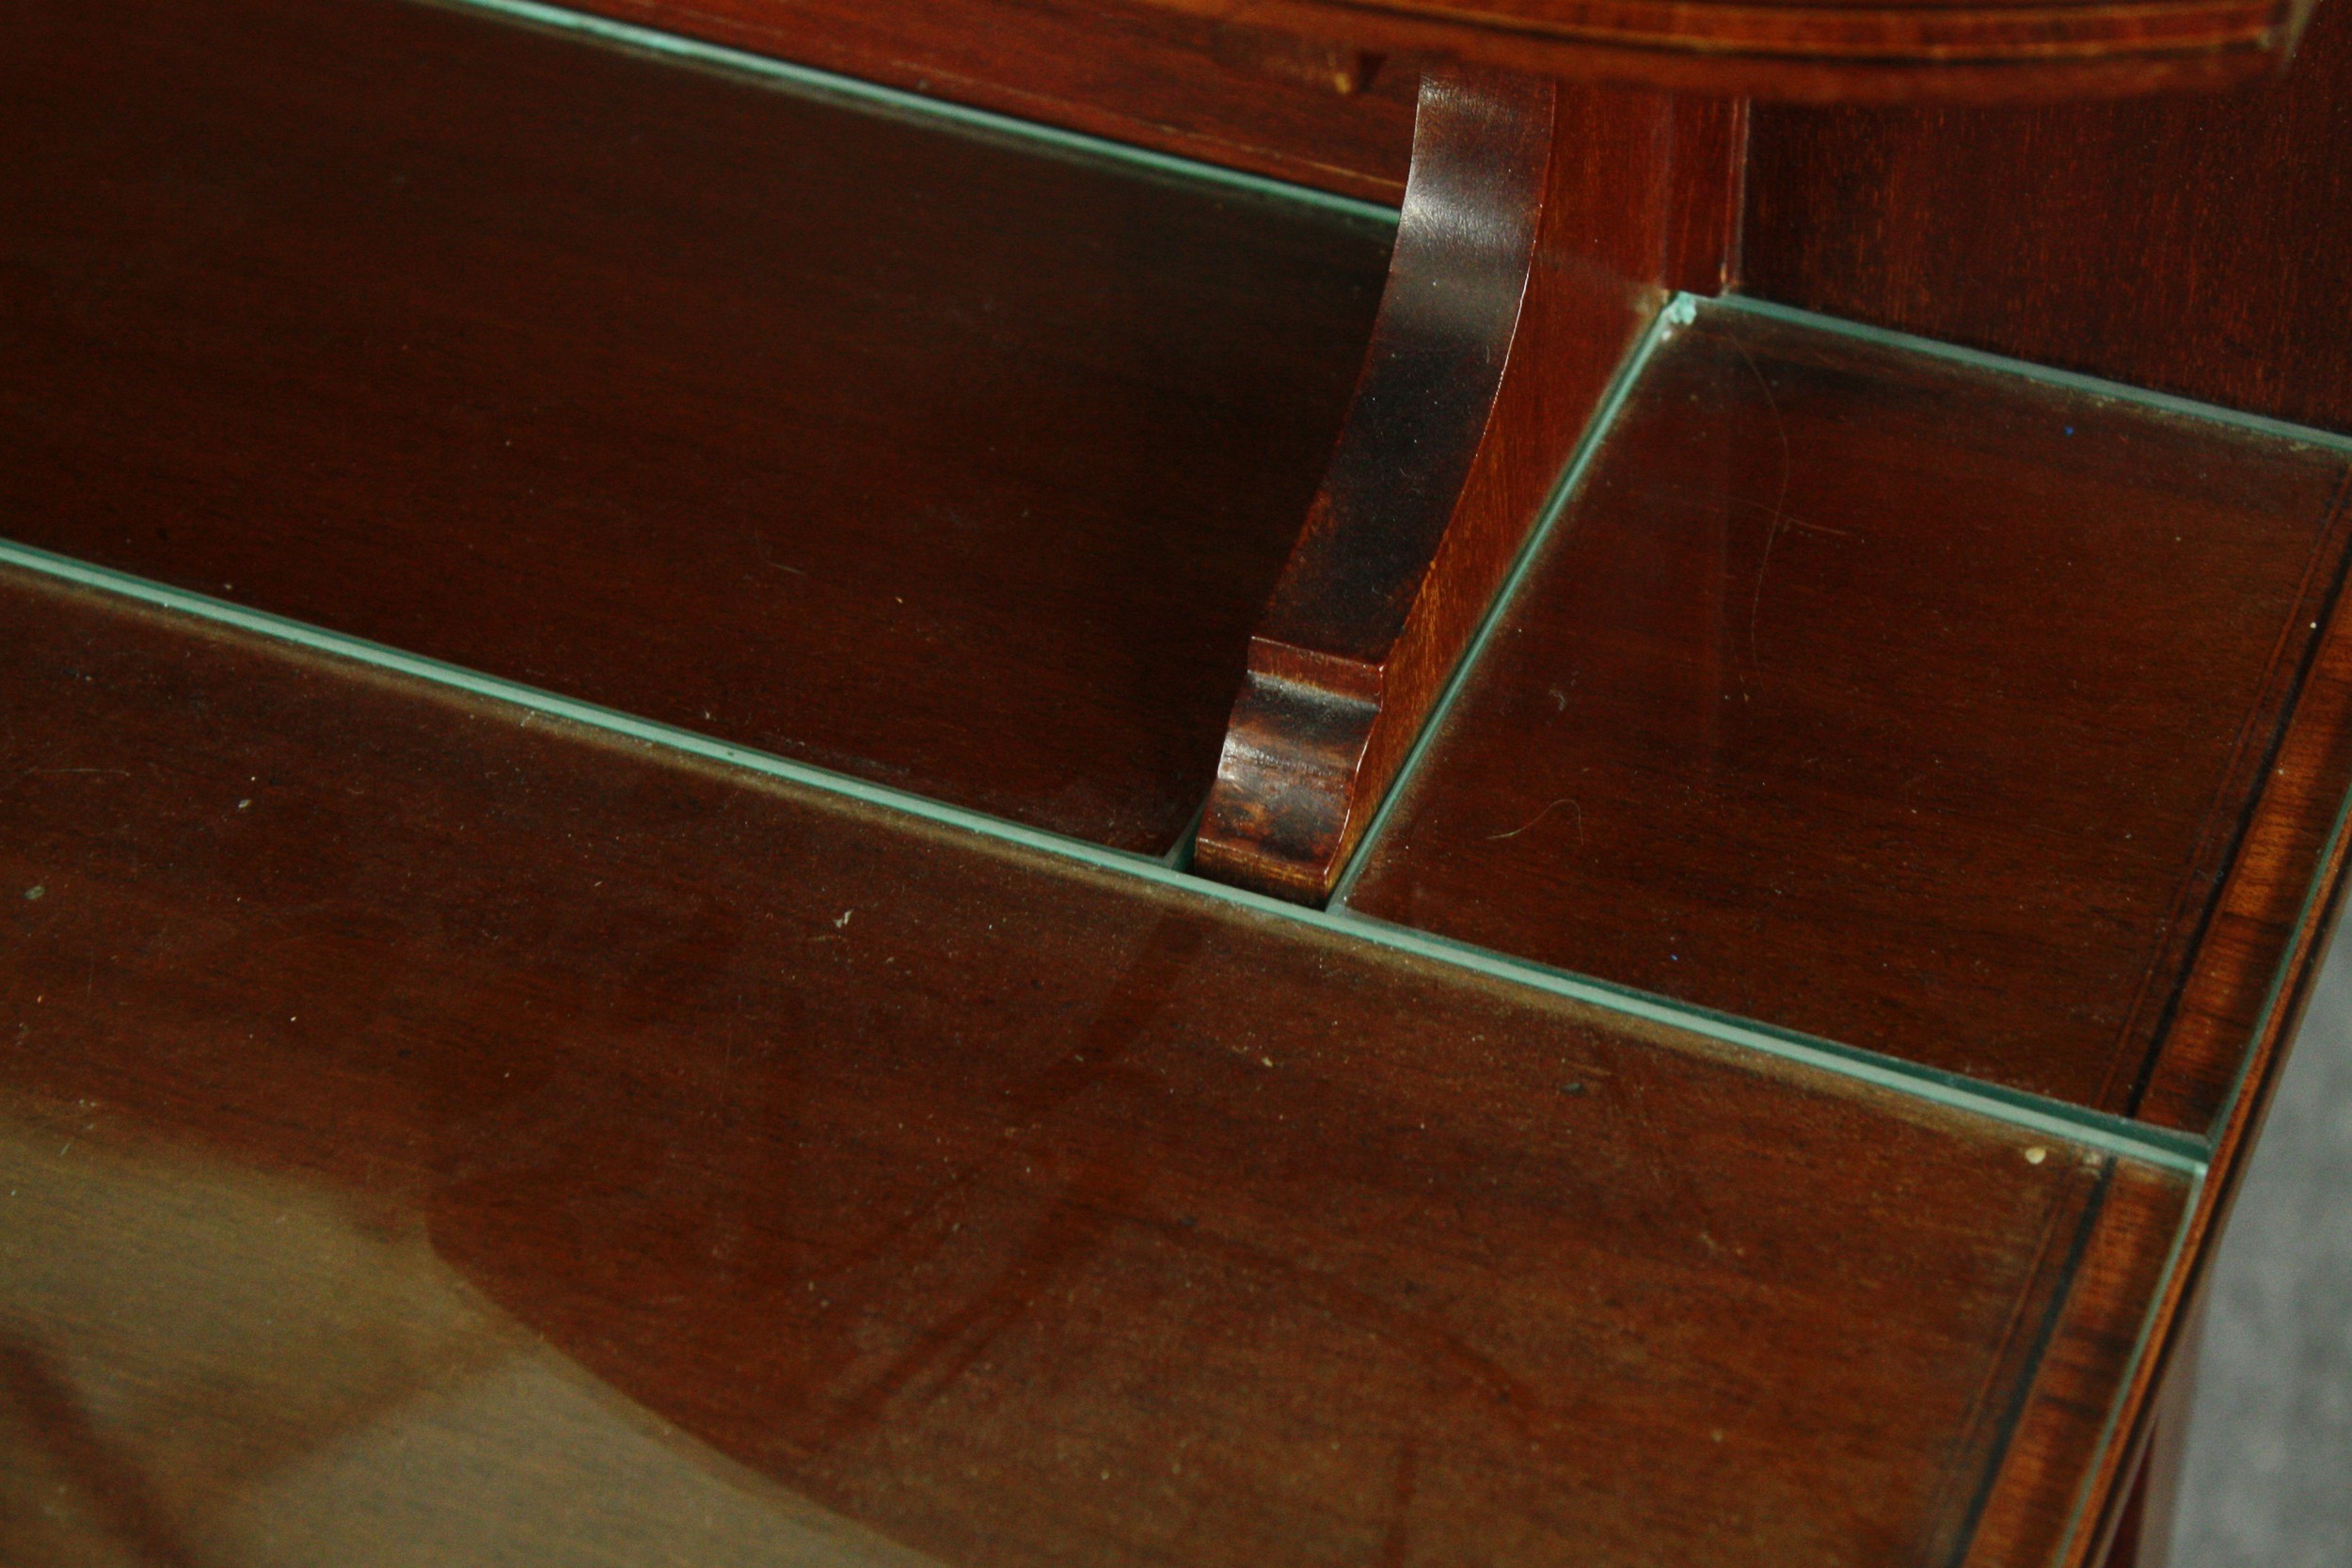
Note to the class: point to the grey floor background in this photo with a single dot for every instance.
(2269, 1482)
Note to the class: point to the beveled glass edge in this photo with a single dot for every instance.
(2161, 1147)
(1179, 855)
(379, 656)
(1679, 311)
(2069, 381)
(2108, 1134)
(2194, 1148)
(814, 82)
(2187, 1154)
(2079, 1515)
(2312, 909)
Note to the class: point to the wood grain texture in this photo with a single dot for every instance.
(927, 457)
(2312, 760)
(2261, 956)
(2267, 931)
(932, 1182)
(1906, 703)
(1895, 51)
(2061, 1465)
(1540, 228)
(1253, 97)
(2198, 244)
(2143, 1527)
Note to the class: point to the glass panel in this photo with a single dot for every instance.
(935, 457)
(1893, 699)
(435, 1133)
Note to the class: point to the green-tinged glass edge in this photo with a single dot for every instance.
(2071, 380)
(1679, 311)
(2079, 1517)
(813, 82)
(2099, 1131)
(2189, 1153)
(1179, 855)
(435, 672)
(2162, 1148)
(2312, 908)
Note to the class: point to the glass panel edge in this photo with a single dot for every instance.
(2109, 1134)
(2049, 376)
(2079, 1517)
(830, 84)
(1679, 311)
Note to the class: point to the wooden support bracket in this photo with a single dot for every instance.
(1543, 227)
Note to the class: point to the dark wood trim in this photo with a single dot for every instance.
(2142, 1536)
(2102, 1302)
(2055, 1456)
(1884, 52)
(1542, 227)
(2198, 244)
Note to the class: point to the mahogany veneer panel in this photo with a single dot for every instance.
(2196, 244)
(1011, 1211)
(1896, 701)
(913, 453)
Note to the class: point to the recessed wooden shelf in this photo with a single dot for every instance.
(948, 460)
(1908, 702)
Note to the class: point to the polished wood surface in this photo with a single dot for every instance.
(2196, 244)
(1540, 231)
(1880, 51)
(2058, 1484)
(2276, 916)
(1910, 705)
(925, 456)
(2260, 946)
(1251, 98)
(429, 1127)
(1889, 51)
(608, 1132)
(2142, 1531)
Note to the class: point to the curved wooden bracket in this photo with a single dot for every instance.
(1542, 228)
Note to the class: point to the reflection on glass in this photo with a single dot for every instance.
(1899, 700)
(449, 1107)
(204, 1363)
